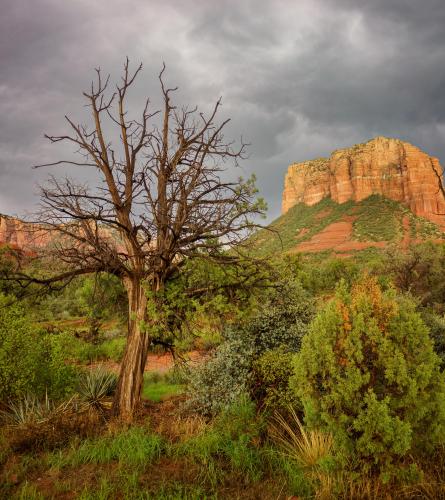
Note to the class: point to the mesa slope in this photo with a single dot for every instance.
(327, 225)
(381, 192)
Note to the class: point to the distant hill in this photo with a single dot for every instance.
(346, 227)
(369, 195)
(390, 167)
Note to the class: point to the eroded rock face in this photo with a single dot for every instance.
(22, 235)
(390, 167)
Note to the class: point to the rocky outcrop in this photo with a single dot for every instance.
(390, 167)
(18, 234)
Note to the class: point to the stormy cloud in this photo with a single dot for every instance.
(298, 79)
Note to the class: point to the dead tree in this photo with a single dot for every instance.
(162, 200)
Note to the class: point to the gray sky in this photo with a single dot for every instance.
(298, 78)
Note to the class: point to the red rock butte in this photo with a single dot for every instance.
(22, 235)
(389, 167)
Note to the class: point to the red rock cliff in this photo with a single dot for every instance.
(19, 234)
(390, 167)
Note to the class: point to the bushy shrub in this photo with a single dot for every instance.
(281, 322)
(272, 373)
(113, 349)
(30, 361)
(367, 373)
(436, 324)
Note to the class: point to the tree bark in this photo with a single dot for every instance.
(131, 376)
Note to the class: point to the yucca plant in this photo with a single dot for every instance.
(31, 410)
(307, 448)
(96, 386)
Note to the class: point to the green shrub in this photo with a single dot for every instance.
(367, 373)
(30, 361)
(223, 379)
(113, 349)
(270, 382)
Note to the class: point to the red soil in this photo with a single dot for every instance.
(160, 363)
(338, 238)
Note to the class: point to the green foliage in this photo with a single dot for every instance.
(191, 309)
(30, 361)
(95, 297)
(378, 219)
(95, 386)
(419, 270)
(374, 219)
(112, 349)
(234, 436)
(367, 373)
(322, 277)
(270, 382)
(158, 386)
(77, 350)
(281, 322)
(134, 446)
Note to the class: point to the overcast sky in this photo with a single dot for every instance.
(298, 78)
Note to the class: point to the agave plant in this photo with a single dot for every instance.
(32, 410)
(305, 447)
(96, 386)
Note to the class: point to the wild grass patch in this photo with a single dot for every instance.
(134, 447)
(159, 386)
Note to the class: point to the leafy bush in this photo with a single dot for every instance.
(113, 349)
(367, 373)
(30, 361)
(281, 322)
(271, 376)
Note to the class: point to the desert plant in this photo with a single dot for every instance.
(307, 447)
(281, 322)
(96, 386)
(32, 410)
(367, 373)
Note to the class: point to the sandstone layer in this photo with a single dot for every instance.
(18, 234)
(389, 167)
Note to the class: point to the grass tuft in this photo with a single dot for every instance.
(132, 447)
(307, 448)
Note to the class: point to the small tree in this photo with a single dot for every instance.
(161, 201)
(367, 372)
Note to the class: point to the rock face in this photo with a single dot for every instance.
(390, 167)
(22, 235)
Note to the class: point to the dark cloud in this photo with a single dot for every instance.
(299, 79)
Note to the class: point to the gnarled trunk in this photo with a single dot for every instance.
(128, 393)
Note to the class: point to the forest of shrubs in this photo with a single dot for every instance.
(322, 379)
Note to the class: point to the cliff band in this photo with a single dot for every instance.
(389, 167)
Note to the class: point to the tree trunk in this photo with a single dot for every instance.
(128, 393)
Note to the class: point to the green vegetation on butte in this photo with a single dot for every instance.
(375, 219)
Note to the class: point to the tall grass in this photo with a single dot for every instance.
(307, 448)
(133, 447)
